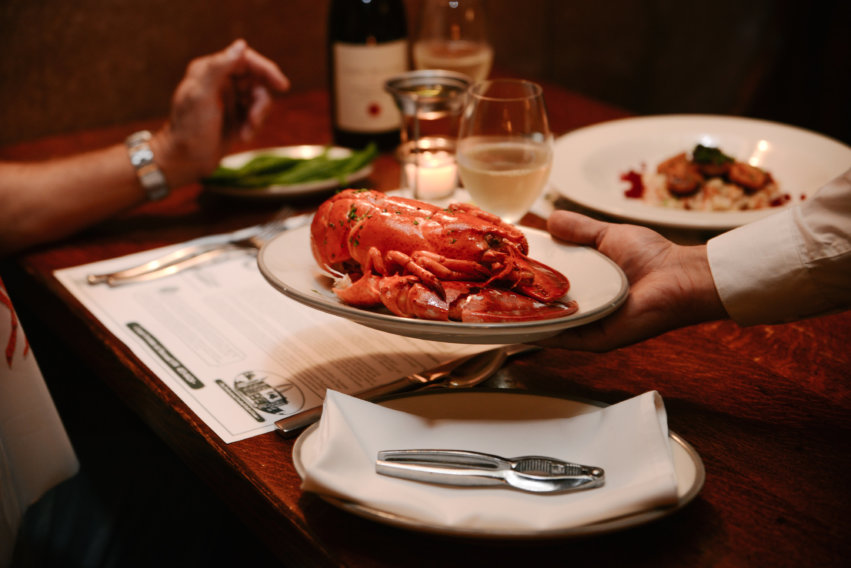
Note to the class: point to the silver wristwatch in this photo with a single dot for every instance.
(142, 158)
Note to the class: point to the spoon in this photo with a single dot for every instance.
(479, 370)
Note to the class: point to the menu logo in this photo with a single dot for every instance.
(264, 391)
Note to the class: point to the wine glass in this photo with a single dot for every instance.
(505, 147)
(451, 35)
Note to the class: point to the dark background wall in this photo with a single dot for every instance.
(66, 66)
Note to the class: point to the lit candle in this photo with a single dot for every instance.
(432, 175)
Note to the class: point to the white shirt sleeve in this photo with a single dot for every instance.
(790, 265)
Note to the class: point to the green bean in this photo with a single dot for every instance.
(267, 169)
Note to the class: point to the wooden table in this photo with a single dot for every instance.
(767, 408)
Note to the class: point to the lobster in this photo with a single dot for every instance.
(418, 260)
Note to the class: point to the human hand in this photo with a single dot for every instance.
(224, 97)
(671, 286)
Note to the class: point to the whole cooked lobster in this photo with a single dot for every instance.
(419, 260)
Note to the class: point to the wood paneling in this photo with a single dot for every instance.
(70, 66)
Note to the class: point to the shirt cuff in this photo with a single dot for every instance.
(759, 273)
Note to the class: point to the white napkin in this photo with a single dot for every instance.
(628, 440)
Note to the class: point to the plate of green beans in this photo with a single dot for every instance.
(289, 171)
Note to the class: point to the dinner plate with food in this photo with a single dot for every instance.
(453, 274)
(289, 171)
(693, 171)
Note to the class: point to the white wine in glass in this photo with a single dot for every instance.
(451, 35)
(505, 147)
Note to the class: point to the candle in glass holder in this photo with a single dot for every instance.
(432, 174)
(430, 101)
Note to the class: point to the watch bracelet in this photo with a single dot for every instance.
(142, 159)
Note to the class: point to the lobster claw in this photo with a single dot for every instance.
(526, 275)
(546, 285)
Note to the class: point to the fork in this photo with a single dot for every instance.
(465, 372)
(194, 255)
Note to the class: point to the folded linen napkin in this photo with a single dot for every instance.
(628, 440)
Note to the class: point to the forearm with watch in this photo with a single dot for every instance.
(51, 199)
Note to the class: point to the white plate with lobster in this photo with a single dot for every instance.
(597, 285)
(588, 163)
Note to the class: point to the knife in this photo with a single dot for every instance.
(291, 425)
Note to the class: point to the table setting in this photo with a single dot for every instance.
(179, 316)
(638, 480)
(302, 409)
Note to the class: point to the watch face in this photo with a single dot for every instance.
(141, 155)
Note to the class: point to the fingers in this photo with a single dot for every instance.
(630, 324)
(213, 72)
(257, 112)
(623, 327)
(235, 49)
(576, 228)
(590, 337)
(254, 78)
(266, 70)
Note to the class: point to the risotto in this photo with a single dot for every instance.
(706, 180)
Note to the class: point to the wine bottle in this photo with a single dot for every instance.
(367, 44)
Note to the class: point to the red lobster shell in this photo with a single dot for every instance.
(420, 260)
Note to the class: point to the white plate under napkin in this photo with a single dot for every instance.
(630, 440)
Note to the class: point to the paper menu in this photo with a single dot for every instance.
(240, 354)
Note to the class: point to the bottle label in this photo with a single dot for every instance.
(362, 104)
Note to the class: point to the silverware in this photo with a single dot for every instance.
(193, 255)
(464, 372)
(472, 372)
(536, 474)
